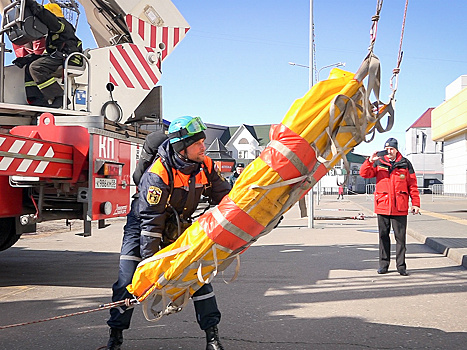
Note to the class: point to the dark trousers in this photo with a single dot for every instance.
(33, 94)
(399, 225)
(207, 312)
(44, 71)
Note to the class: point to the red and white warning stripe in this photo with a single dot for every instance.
(131, 67)
(146, 34)
(19, 156)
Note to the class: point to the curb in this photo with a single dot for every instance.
(458, 255)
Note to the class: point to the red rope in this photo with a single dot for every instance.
(126, 302)
(374, 27)
(395, 72)
(35, 206)
(399, 59)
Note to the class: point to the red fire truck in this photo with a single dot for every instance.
(76, 162)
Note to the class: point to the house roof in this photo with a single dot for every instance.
(228, 133)
(213, 131)
(355, 158)
(259, 132)
(424, 121)
(217, 151)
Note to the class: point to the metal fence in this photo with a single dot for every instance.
(369, 190)
(449, 191)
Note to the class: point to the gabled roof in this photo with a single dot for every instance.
(259, 132)
(228, 133)
(213, 131)
(355, 158)
(217, 151)
(424, 121)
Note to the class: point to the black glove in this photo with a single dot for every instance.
(34, 6)
(22, 61)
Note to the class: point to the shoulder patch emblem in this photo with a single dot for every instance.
(218, 171)
(402, 176)
(154, 195)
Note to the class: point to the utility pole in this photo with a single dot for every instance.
(311, 208)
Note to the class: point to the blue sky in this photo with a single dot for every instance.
(232, 67)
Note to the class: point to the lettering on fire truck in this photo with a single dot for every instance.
(120, 209)
(106, 147)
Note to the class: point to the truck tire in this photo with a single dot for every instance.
(8, 235)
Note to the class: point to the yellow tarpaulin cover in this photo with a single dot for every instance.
(318, 130)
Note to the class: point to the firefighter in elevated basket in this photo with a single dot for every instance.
(169, 194)
(61, 41)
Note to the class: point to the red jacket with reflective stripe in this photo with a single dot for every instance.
(394, 185)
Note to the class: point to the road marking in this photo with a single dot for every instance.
(18, 290)
(446, 217)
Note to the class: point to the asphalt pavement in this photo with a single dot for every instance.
(298, 288)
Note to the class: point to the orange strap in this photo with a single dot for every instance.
(217, 224)
(292, 156)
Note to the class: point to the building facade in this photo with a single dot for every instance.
(425, 154)
(449, 125)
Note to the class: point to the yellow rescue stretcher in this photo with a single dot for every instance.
(318, 130)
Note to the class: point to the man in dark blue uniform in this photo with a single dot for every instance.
(236, 174)
(170, 191)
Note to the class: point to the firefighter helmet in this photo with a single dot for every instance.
(55, 9)
(184, 131)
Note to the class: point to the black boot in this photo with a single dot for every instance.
(58, 102)
(115, 339)
(212, 339)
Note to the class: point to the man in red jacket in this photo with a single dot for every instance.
(395, 183)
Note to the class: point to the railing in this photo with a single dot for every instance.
(3, 29)
(369, 190)
(76, 70)
(448, 191)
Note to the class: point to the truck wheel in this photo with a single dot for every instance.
(8, 235)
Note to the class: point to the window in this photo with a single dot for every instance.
(243, 141)
(423, 142)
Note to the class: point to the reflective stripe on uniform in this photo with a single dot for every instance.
(46, 83)
(129, 257)
(76, 59)
(151, 234)
(30, 83)
(203, 297)
(62, 28)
